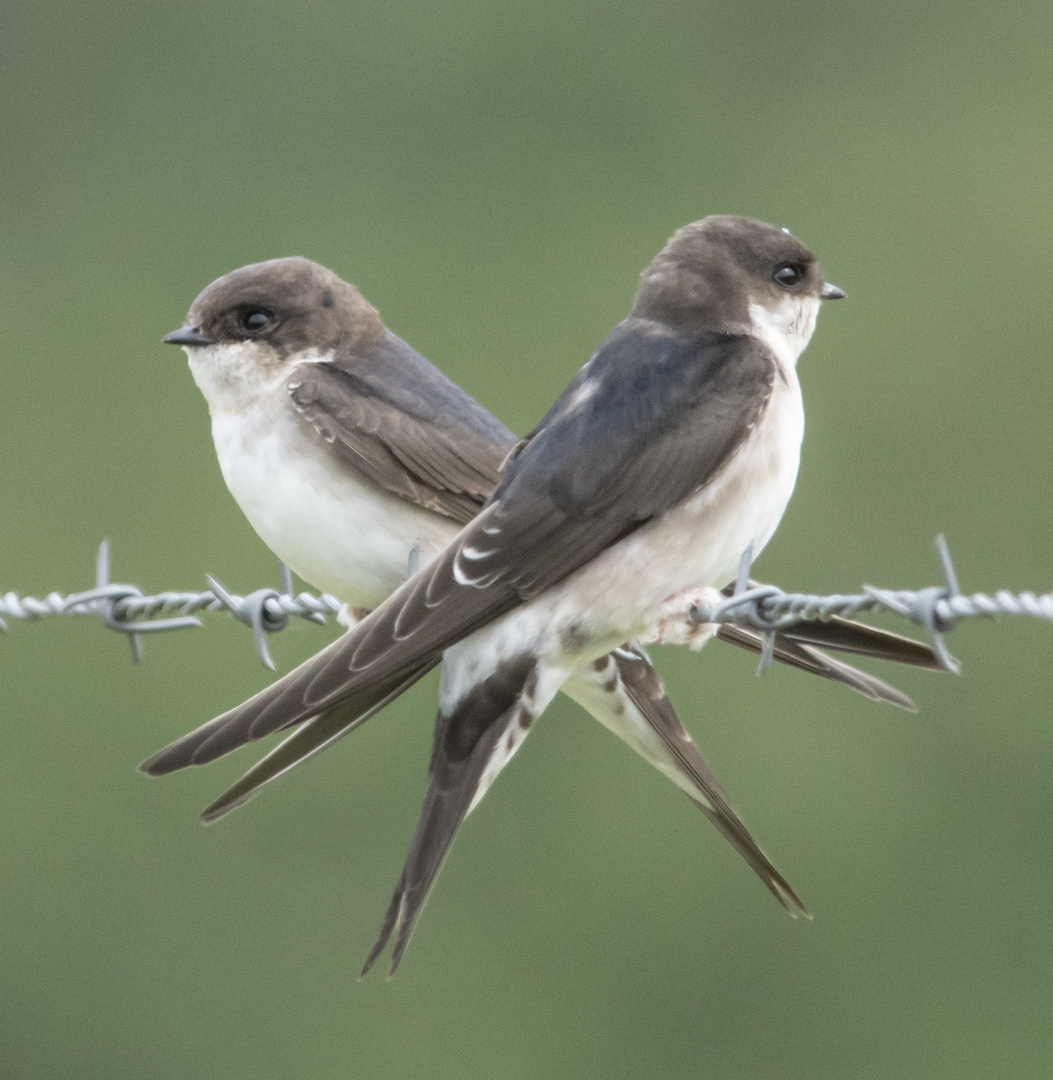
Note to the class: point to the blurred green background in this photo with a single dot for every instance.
(493, 177)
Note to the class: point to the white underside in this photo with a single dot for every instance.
(345, 537)
(619, 595)
(339, 532)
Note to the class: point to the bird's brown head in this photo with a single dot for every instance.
(712, 271)
(285, 306)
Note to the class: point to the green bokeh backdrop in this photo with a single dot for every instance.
(494, 176)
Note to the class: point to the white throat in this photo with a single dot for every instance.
(234, 376)
(787, 328)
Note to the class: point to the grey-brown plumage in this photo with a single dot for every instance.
(638, 448)
(680, 383)
(384, 411)
(307, 308)
(449, 471)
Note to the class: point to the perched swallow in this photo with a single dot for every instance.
(354, 458)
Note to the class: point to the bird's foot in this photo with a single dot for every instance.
(675, 626)
(351, 616)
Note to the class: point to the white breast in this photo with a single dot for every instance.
(338, 532)
(700, 542)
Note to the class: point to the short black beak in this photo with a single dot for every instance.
(187, 335)
(830, 292)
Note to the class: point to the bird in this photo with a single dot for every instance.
(356, 461)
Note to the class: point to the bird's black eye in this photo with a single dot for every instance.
(788, 275)
(254, 319)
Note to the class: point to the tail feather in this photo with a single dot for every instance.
(471, 746)
(807, 658)
(862, 639)
(626, 695)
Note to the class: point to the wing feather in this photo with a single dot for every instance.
(429, 443)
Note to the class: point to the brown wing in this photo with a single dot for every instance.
(425, 454)
(667, 413)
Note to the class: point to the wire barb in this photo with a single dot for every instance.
(124, 608)
(935, 609)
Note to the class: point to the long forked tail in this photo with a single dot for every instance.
(472, 745)
(627, 696)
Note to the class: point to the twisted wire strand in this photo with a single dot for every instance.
(935, 609)
(126, 610)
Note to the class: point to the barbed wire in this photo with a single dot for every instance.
(766, 608)
(125, 609)
(935, 609)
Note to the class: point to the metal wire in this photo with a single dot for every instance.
(125, 609)
(935, 609)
